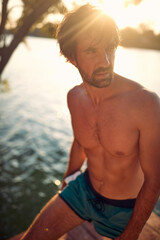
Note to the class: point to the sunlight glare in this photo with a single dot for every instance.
(133, 15)
(57, 182)
(147, 11)
(123, 16)
(115, 8)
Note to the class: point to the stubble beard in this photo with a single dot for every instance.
(96, 81)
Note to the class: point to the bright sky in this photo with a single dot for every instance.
(146, 12)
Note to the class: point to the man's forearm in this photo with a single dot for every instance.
(76, 160)
(145, 203)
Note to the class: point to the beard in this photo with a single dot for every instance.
(100, 78)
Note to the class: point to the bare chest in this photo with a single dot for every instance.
(109, 126)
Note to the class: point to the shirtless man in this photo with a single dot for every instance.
(116, 125)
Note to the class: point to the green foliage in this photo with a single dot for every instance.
(34, 12)
(129, 36)
(49, 30)
(142, 38)
(29, 5)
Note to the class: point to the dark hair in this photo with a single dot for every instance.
(86, 18)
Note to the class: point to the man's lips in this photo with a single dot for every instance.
(102, 74)
(102, 70)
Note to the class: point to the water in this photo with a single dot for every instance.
(35, 130)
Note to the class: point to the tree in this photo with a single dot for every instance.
(49, 30)
(130, 37)
(32, 12)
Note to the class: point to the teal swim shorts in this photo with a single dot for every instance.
(109, 216)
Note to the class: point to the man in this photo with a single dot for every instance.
(116, 125)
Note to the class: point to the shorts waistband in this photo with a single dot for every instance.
(126, 203)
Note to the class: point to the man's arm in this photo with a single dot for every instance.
(77, 155)
(76, 160)
(149, 153)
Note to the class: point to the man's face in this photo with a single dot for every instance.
(95, 60)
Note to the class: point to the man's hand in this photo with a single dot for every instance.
(63, 185)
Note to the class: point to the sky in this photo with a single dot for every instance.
(146, 12)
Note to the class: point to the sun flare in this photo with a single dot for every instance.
(146, 12)
(123, 16)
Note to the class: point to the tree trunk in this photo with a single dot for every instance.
(4, 15)
(23, 31)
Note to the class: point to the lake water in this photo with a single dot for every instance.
(35, 129)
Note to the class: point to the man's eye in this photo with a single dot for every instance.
(91, 50)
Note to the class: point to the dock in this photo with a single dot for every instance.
(85, 231)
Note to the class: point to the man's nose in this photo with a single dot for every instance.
(104, 59)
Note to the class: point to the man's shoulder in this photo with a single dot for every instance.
(75, 91)
(146, 106)
(142, 96)
(75, 95)
(148, 98)
(143, 102)
(128, 84)
(127, 87)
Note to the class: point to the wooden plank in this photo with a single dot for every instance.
(86, 231)
(151, 230)
(79, 233)
(154, 222)
(65, 237)
(91, 230)
(148, 234)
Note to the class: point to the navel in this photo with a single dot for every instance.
(119, 153)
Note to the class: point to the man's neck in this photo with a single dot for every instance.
(98, 95)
